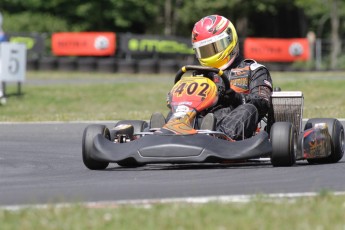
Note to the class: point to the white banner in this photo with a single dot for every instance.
(12, 62)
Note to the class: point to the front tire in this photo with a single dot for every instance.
(87, 146)
(284, 144)
(336, 131)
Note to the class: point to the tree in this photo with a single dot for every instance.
(319, 11)
(135, 16)
(265, 18)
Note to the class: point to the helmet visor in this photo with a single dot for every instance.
(205, 51)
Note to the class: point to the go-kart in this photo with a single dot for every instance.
(183, 139)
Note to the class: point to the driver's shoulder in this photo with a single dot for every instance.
(245, 65)
(252, 64)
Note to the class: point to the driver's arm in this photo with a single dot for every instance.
(260, 86)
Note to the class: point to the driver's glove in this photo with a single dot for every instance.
(231, 98)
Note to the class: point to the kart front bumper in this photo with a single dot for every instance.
(198, 148)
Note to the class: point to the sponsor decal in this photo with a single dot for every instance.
(277, 50)
(182, 109)
(101, 43)
(210, 40)
(159, 46)
(34, 42)
(240, 82)
(149, 44)
(295, 49)
(28, 41)
(84, 44)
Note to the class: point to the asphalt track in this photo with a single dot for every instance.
(42, 163)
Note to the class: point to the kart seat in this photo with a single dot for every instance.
(287, 106)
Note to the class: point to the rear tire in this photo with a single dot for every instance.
(87, 146)
(284, 144)
(336, 131)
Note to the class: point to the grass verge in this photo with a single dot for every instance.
(54, 96)
(324, 211)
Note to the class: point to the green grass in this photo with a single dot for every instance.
(324, 92)
(88, 99)
(324, 211)
(96, 96)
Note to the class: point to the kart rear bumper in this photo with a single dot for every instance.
(198, 148)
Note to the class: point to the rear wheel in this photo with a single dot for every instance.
(284, 144)
(336, 131)
(87, 146)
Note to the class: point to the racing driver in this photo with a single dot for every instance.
(239, 111)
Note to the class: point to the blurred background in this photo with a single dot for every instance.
(153, 36)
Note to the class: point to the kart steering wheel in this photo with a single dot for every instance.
(203, 70)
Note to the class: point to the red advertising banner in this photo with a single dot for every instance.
(84, 44)
(277, 50)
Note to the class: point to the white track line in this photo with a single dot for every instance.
(194, 200)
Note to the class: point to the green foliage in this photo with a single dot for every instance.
(243, 14)
(139, 16)
(341, 62)
(303, 66)
(319, 11)
(34, 22)
(80, 15)
(201, 8)
(320, 7)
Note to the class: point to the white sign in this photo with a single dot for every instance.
(12, 62)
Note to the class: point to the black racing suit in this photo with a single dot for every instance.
(240, 110)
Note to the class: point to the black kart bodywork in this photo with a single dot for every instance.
(198, 148)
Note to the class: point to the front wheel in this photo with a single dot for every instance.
(336, 131)
(87, 146)
(284, 144)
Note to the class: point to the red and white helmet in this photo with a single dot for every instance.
(215, 41)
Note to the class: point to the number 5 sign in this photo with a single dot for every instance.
(12, 62)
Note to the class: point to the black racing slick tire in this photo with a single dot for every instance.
(87, 146)
(284, 144)
(336, 131)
